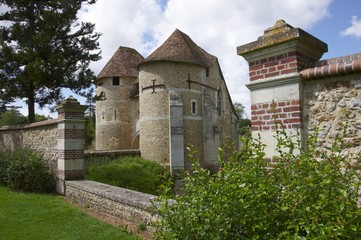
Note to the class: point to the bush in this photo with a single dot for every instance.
(4, 165)
(25, 170)
(131, 172)
(302, 197)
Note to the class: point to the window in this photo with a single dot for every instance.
(194, 106)
(115, 81)
(207, 72)
(219, 102)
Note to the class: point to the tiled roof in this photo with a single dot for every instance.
(124, 62)
(333, 67)
(179, 47)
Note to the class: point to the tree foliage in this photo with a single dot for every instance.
(44, 48)
(244, 121)
(308, 195)
(12, 117)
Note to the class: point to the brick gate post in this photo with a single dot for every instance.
(71, 132)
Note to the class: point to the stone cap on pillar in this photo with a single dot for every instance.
(70, 109)
(283, 38)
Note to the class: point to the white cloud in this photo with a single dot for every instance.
(216, 26)
(354, 29)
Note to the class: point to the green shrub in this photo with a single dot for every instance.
(4, 165)
(25, 170)
(309, 195)
(131, 172)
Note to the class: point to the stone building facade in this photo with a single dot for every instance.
(175, 97)
(290, 85)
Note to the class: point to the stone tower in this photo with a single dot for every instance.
(117, 111)
(183, 101)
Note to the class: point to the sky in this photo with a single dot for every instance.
(219, 26)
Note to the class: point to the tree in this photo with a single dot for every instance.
(12, 117)
(45, 48)
(244, 121)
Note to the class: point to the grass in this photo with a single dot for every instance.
(129, 172)
(39, 216)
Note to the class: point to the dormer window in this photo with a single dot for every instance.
(116, 81)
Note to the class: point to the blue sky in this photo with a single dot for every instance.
(330, 28)
(219, 26)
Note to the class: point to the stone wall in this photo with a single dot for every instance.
(41, 137)
(331, 103)
(131, 206)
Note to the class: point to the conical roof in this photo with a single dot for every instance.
(124, 63)
(179, 47)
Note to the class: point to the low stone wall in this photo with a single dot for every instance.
(128, 205)
(40, 136)
(113, 153)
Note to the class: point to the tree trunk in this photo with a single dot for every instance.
(31, 105)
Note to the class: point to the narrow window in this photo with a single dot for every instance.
(194, 106)
(219, 102)
(103, 114)
(207, 72)
(115, 81)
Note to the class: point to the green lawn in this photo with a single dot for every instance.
(36, 216)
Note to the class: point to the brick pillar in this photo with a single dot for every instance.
(275, 61)
(71, 132)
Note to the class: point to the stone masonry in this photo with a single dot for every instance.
(290, 86)
(71, 132)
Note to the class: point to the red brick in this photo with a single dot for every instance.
(266, 128)
(287, 71)
(254, 118)
(259, 112)
(280, 67)
(281, 104)
(277, 110)
(255, 68)
(257, 123)
(292, 65)
(263, 71)
(271, 64)
(272, 74)
(296, 102)
(272, 69)
(292, 120)
(256, 77)
(266, 117)
(265, 105)
(292, 109)
(254, 107)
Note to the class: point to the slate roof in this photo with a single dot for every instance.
(179, 47)
(124, 63)
(333, 67)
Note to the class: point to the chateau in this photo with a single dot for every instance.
(174, 98)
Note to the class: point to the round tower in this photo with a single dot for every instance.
(170, 98)
(117, 106)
